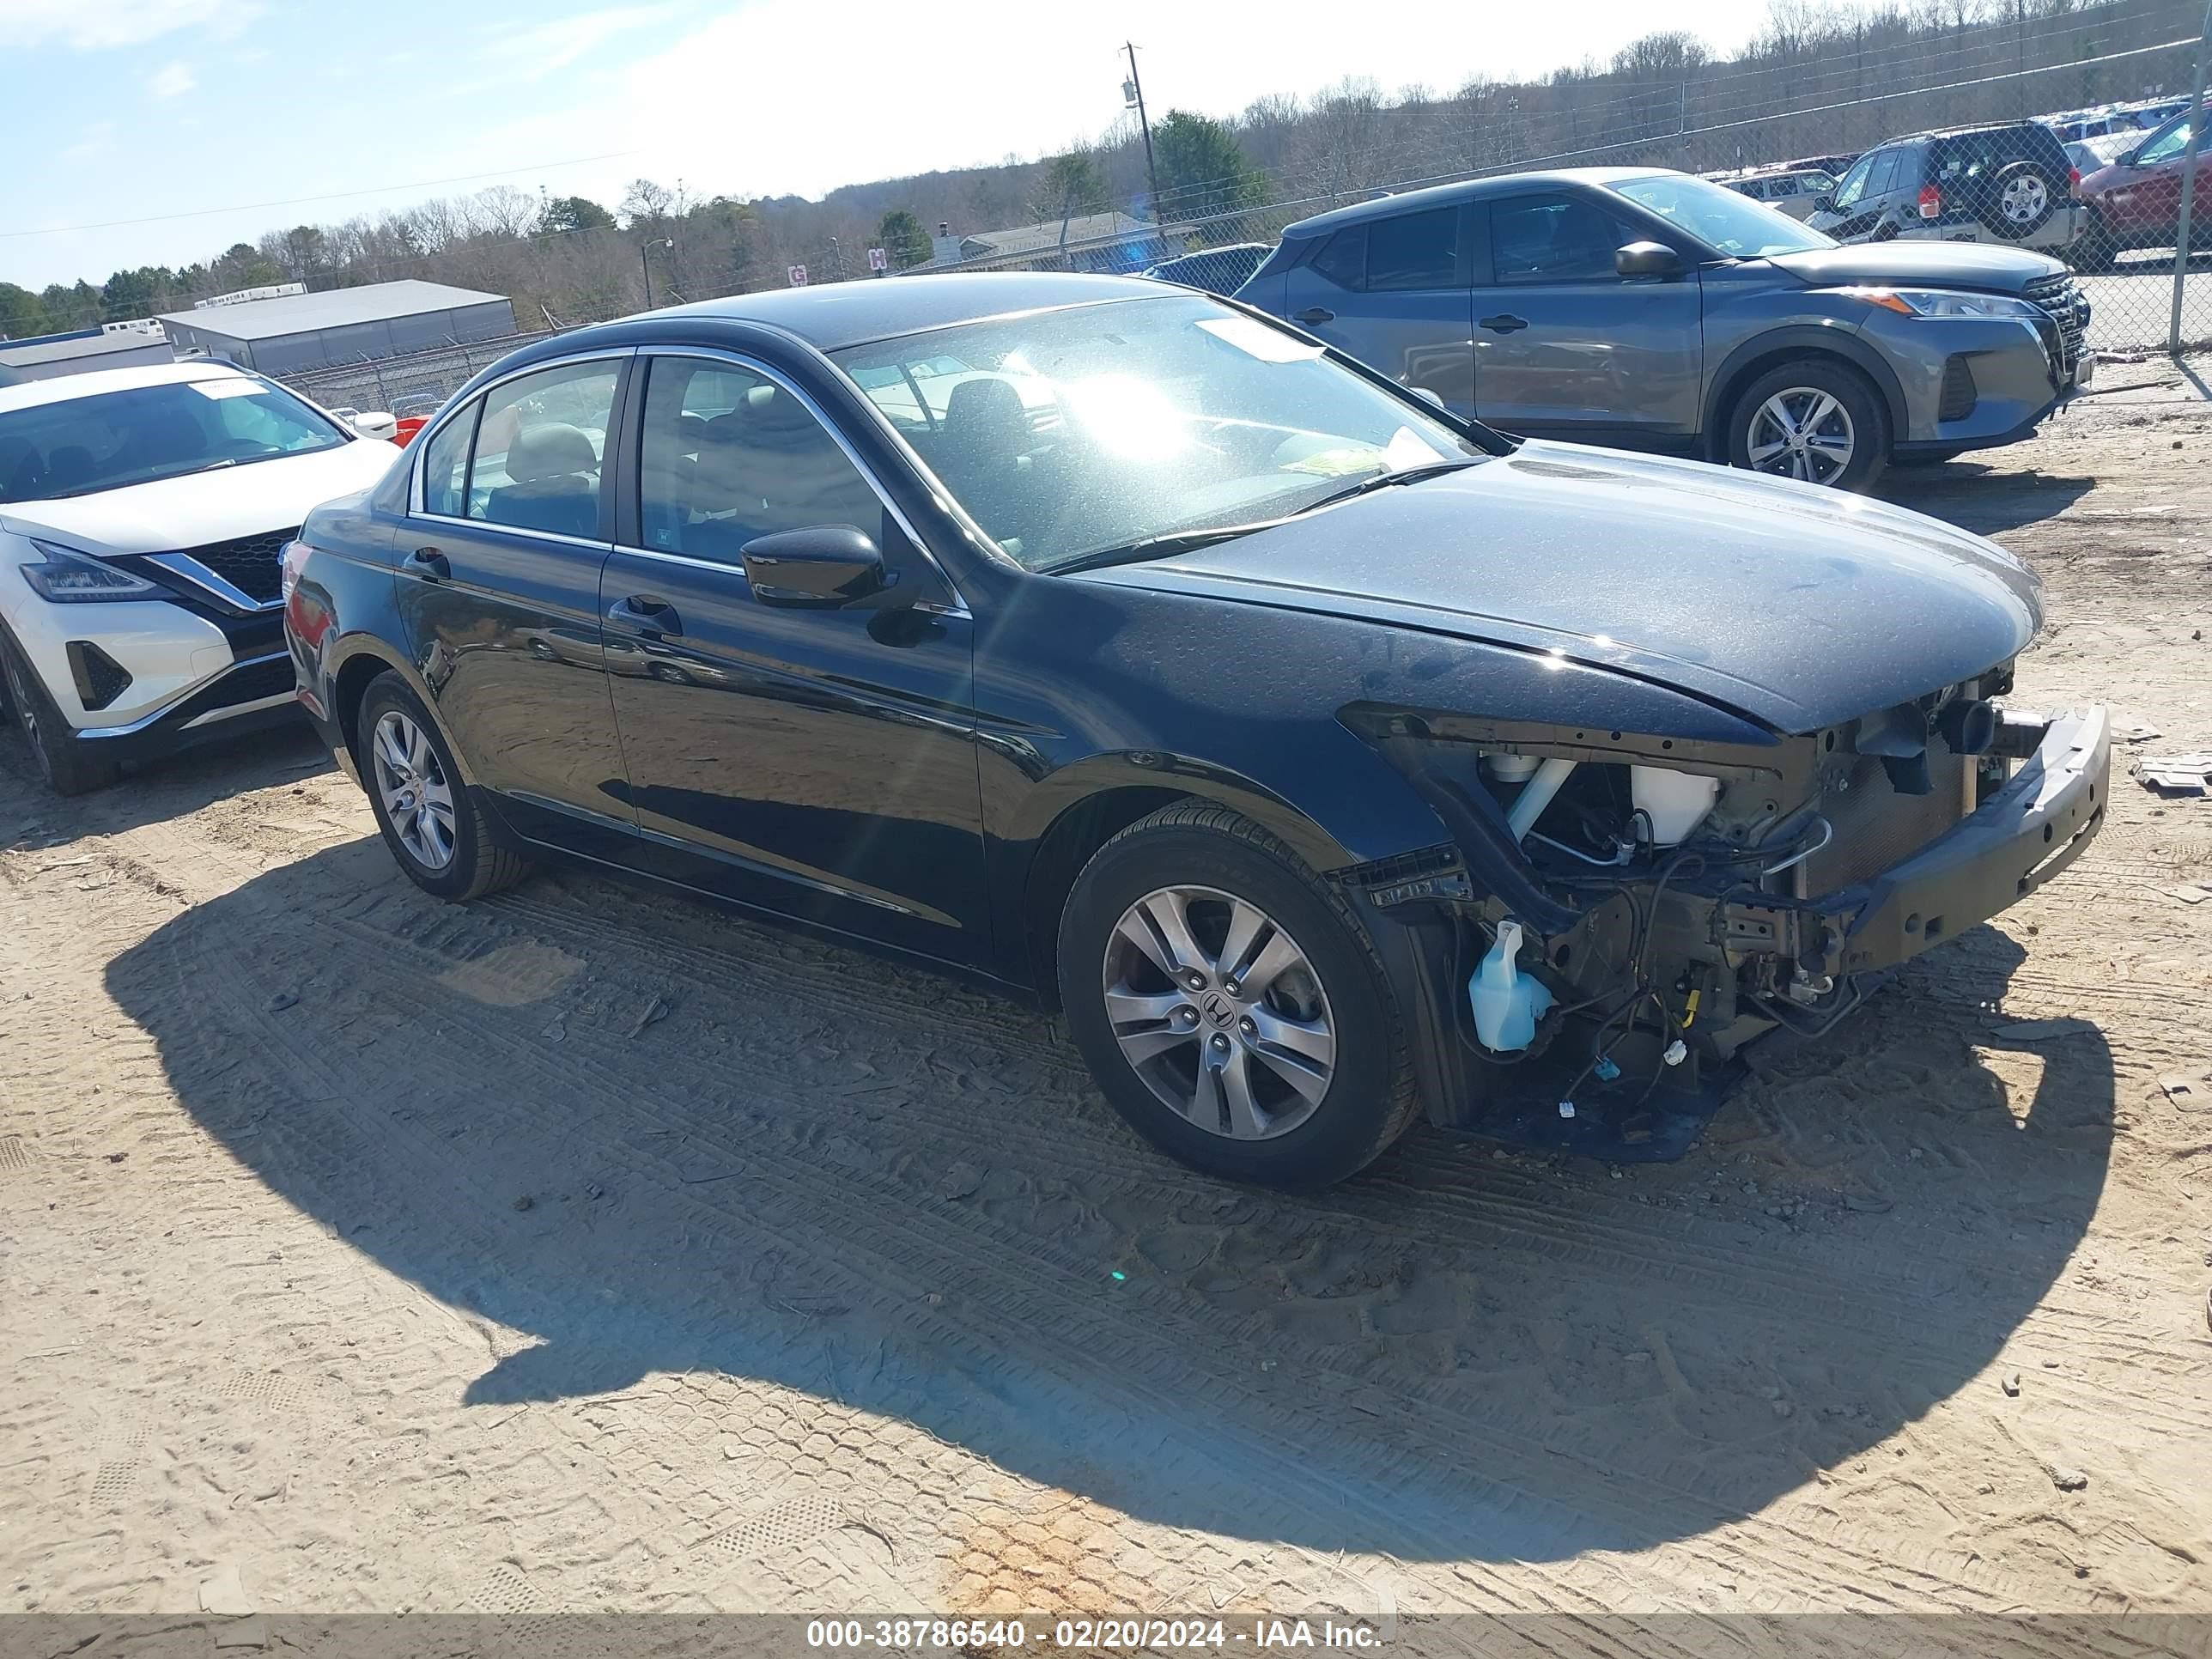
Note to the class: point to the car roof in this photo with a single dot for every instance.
(1467, 190)
(65, 388)
(836, 315)
(1960, 132)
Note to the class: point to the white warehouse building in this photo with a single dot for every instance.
(293, 334)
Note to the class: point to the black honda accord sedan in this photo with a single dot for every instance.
(1328, 759)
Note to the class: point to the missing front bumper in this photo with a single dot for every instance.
(2033, 828)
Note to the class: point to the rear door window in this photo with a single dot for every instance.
(538, 447)
(445, 464)
(1414, 251)
(1343, 259)
(1882, 178)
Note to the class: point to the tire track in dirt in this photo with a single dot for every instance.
(1453, 1194)
(804, 1184)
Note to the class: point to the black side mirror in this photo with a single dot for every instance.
(1824, 204)
(1647, 260)
(2126, 158)
(825, 564)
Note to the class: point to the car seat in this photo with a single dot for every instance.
(554, 487)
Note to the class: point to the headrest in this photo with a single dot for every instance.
(551, 451)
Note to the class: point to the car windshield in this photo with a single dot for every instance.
(80, 446)
(1067, 432)
(1721, 219)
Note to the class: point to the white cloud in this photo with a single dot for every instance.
(172, 80)
(531, 54)
(90, 24)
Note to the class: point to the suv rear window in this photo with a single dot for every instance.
(1963, 158)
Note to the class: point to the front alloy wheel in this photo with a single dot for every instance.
(1231, 1003)
(1803, 432)
(417, 798)
(1219, 1011)
(1814, 418)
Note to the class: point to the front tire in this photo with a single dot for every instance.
(429, 817)
(1812, 418)
(1229, 1004)
(61, 759)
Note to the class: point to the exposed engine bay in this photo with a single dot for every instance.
(1626, 913)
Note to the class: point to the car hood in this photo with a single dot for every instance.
(1927, 265)
(1795, 605)
(201, 507)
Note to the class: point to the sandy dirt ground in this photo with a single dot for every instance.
(585, 1249)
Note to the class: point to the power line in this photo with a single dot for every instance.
(301, 201)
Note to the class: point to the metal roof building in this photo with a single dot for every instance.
(298, 332)
(47, 356)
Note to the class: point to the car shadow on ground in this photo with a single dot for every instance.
(154, 792)
(1983, 496)
(655, 1139)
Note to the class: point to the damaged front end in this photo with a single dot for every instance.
(1617, 914)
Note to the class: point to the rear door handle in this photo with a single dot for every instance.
(1314, 314)
(429, 564)
(1505, 323)
(646, 615)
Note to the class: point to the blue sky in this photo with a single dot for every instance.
(206, 122)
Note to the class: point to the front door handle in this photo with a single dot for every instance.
(429, 564)
(646, 615)
(1505, 323)
(1314, 314)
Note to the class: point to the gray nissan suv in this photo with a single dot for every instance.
(1647, 309)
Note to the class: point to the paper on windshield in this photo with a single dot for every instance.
(1408, 448)
(225, 387)
(1258, 340)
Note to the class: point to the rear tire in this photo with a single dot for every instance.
(61, 759)
(429, 817)
(1295, 1075)
(1843, 407)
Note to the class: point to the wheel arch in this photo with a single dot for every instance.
(1756, 356)
(366, 658)
(1078, 809)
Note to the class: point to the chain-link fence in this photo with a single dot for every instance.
(1983, 134)
(2107, 204)
(416, 384)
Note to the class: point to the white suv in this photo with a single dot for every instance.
(142, 512)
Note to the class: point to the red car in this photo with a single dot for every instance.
(2135, 201)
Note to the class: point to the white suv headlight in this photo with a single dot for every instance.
(69, 577)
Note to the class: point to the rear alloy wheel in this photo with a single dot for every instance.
(1229, 1004)
(1814, 420)
(433, 826)
(60, 759)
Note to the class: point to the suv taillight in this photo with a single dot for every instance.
(2073, 179)
(1931, 201)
